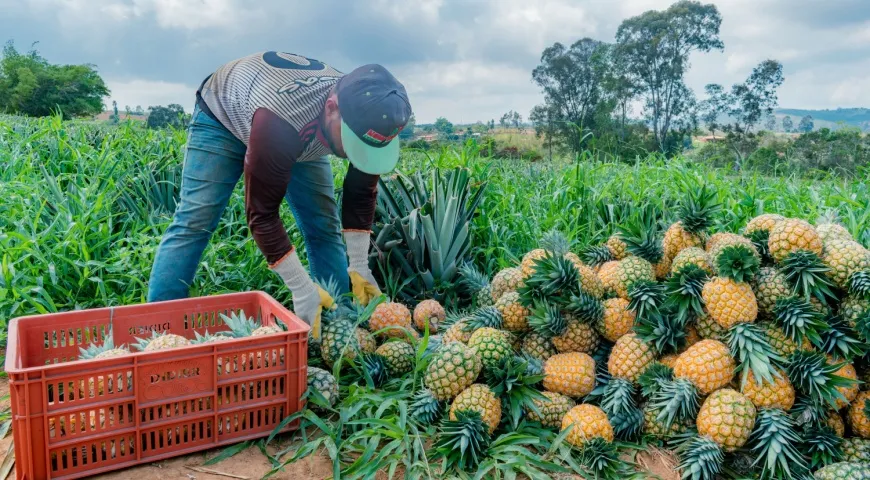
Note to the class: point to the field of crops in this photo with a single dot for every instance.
(83, 207)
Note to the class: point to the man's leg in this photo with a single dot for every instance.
(311, 196)
(213, 163)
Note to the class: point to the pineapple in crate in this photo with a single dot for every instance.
(241, 325)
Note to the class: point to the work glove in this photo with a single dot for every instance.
(309, 299)
(363, 283)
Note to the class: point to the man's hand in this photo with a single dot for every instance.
(365, 288)
(309, 300)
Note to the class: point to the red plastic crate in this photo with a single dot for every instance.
(74, 418)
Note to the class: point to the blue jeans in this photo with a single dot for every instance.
(213, 163)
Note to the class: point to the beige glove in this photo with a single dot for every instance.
(309, 299)
(363, 283)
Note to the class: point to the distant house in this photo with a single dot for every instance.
(431, 137)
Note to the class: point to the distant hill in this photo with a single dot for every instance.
(856, 117)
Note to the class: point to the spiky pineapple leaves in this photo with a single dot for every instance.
(807, 275)
(737, 262)
(684, 288)
(697, 209)
(821, 445)
(813, 376)
(645, 296)
(488, 316)
(664, 329)
(618, 402)
(841, 341)
(700, 458)
(760, 239)
(673, 401)
(750, 347)
(425, 408)
(602, 458)
(859, 283)
(547, 320)
(641, 237)
(775, 442)
(554, 279)
(586, 308)
(596, 255)
(512, 382)
(652, 379)
(461, 444)
(799, 320)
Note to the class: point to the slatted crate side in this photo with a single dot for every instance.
(89, 456)
(185, 435)
(41, 342)
(249, 423)
(93, 421)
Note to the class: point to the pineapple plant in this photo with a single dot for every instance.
(778, 393)
(597, 255)
(727, 417)
(513, 313)
(321, 381)
(695, 217)
(390, 319)
(477, 285)
(550, 411)
(630, 357)
(617, 319)
(452, 369)
(577, 337)
(478, 398)
(538, 346)
(707, 364)
(491, 346)
(692, 256)
(160, 341)
(507, 280)
(571, 374)
(736, 257)
(586, 422)
(242, 326)
(429, 313)
(399, 357)
(843, 471)
(462, 442)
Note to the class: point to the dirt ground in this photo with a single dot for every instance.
(251, 464)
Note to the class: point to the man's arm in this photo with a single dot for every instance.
(359, 200)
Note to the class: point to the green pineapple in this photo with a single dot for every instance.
(856, 450)
(491, 345)
(477, 285)
(338, 339)
(550, 410)
(538, 346)
(324, 383)
(451, 370)
(844, 471)
(399, 357)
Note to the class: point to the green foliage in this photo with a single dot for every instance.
(30, 85)
(165, 117)
(775, 441)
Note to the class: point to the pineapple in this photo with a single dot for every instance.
(695, 214)
(491, 345)
(590, 282)
(630, 270)
(527, 266)
(669, 360)
(266, 330)
(781, 344)
(240, 325)
(852, 307)
(571, 374)
(714, 239)
(835, 422)
(729, 302)
(586, 422)
(829, 232)
(507, 280)
(658, 429)
(630, 357)
(478, 398)
(662, 269)
(339, 340)
(709, 328)
(849, 392)
(513, 312)
(208, 338)
(399, 357)
(458, 332)
(692, 336)
(390, 320)
(160, 341)
(843, 471)
(323, 382)
(550, 410)
(859, 421)
(765, 222)
(777, 394)
(677, 239)
(476, 285)
(617, 247)
(769, 285)
(727, 417)
(692, 256)
(578, 337)
(97, 386)
(708, 364)
(538, 346)
(844, 258)
(607, 273)
(856, 450)
(617, 320)
(791, 235)
(454, 368)
(431, 313)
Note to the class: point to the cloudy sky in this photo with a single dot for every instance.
(464, 59)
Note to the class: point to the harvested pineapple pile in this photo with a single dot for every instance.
(744, 353)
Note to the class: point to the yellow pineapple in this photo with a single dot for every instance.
(478, 398)
(832, 231)
(845, 257)
(578, 337)
(714, 240)
(590, 282)
(727, 417)
(708, 364)
(692, 336)
(777, 394)
(858, 420)
(791, 235)
(765, 222)
(630, 270)
(630, 357)
(669, 360)
(607, 273)
(729, 240)
(617, 247)
(662, 269)
(366, 341)
(586, 422)
(835, 422)
(507, 280)
(678, 239)
(527, 266)
(692, 256)
(458, 332)
(391, 317)
(571, 374)
(513, 312)
(847, 371)
(617, 320)
(729, 302)
(429, 312)
(453, 368)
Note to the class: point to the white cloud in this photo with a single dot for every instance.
(149, 93)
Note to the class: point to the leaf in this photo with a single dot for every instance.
(229, 452)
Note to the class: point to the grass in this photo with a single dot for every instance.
(84, 207)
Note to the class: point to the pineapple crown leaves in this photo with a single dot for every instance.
(776, 441)
(602, 458)
(809, 413)
(859, 283)
(586, 308)
(813, 376)
(645, 296)
(373, 368)
(552, 276)
(462, 443)
(473, 280)
(697, 210)
(627, 424)
(737, 262)
(93, 349)
(700, 458)
(760, 238)
(240, 324)
(684, 290)
(750, 346)
(207, 337)
(619, 397)
(841, 341)
(675, 401)
(484, 317)
(821, 445)
(641, 238)
(556, 242)
(425, 408)
(664, 330)
(862, 325)
(799, 320)
(807, 275)
(142, 343)
(510, 381)
(547, 320)
(652, 379)
(534, 366)
(596, 255)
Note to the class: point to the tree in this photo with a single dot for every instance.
(656, 46)
(621, 88)
(787, 124)
(139, 110)
(572, 82)
(543, 119)
(171, 115)
(713, 107)
(444, 127)
(770, 124)
(114, 117)
(511, 118)
(806, 125)
(29, 85)
(407, 133)
(492, 124)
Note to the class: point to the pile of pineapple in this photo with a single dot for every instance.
(744, 352)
